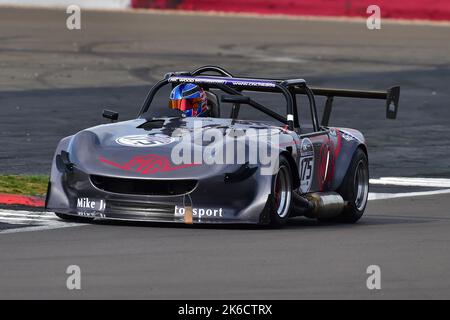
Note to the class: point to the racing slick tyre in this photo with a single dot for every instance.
(73, 218)
(281, 195)
(355, 188)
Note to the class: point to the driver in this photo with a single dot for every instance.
(190, 99)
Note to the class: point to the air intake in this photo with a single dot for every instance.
(143, 186)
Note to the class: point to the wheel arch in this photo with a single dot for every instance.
(363, 147)
(344, 160)
(294, 168)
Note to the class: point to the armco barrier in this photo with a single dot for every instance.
(399, 9)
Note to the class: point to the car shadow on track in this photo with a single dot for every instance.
(294, 223)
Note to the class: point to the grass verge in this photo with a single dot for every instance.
(35, 185)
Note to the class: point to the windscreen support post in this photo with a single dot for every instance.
(327, 111)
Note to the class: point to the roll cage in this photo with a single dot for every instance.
(232, 85)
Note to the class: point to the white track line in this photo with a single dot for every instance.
(41, 228)
(412, 182)
(409, 182)
(31, 215)
(25, 212)
(32, 221)
(24, 219)
(382, 196)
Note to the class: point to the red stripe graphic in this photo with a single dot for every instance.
(15, 199)
(147, 164)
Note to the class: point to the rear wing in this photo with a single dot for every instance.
(391, 95)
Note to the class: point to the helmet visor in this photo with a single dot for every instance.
(185, 104)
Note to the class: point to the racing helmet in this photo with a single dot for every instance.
(190, 99)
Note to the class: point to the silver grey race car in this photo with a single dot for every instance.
(247, 162)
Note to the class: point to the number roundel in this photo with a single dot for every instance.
(306, 165)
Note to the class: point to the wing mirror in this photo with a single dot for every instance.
(111, 115)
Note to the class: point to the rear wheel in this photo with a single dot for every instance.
(355, 188)
(281, 199)
(71, 218)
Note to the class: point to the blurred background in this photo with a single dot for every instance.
(55, 81)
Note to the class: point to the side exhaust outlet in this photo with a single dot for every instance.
(326, 204)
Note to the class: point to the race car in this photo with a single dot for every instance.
(217, 155)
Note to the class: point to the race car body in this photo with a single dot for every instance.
(216, 169)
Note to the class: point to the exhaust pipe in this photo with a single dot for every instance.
(323, 205)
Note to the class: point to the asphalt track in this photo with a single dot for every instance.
(54, 82)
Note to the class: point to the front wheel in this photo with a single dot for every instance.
(355, 188)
